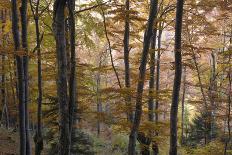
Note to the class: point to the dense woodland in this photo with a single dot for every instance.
(102, 77)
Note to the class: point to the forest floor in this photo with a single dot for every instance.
(9, 142)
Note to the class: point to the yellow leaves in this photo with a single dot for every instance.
(5, 4)
(7, 27)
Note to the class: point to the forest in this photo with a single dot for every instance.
(115, 77)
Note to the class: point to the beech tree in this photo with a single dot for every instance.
(177, 79)
(38, 137)
(62, 88)
(138, 111)
(96, 77)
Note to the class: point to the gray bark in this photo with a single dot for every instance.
(38, 139)
(152, 77)
(142, 70)
(126, 60)
(72, 78)
(183, 106)
(20, 78)
(23, 11)
(155, 145)
(177, 79)
(59, 30)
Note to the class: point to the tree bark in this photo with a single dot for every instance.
(20, 77)
(126, 60)
(59, 30)
(23, 11)
(142, 70)
(155, 144)
(99, 104)
(177, 79)
(72, 78)
(183, 106)
(212, 94)
(152, 77)
(229, 106)
(38, 139)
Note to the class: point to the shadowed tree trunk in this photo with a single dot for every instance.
(59, 31)
(72, 78)
(38, 137)
(177, 79)
(152, 77)
(23, 11)
(183, 106)
(155, 144)
(142, 70)
(20, 78)
(126, 59)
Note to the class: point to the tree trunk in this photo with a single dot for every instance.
(151, 85)
(212, 94)
(99, 104)
(23, 11)
(229, 105)
(110, 48)
(72, 78)
(127, 61)
(183, 107)
(59, 30)
(152, 77)
(142, 70)
(38, 139)
(177, 79)
(155, 144)
(20, 77)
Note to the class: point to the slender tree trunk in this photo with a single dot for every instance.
(59, 30)
(201, 86)
(126, 59)
(99, 104)
(155, 145)
(202, 91)
(152, 77)
(183, 107)
(212, 95)
(23, 11)
(151, 83)
(20, 76)
(72, 78)
(38, 139)
(158, 73)
(177, 79)
(142, 70)
(229, 107)
(110, 49)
